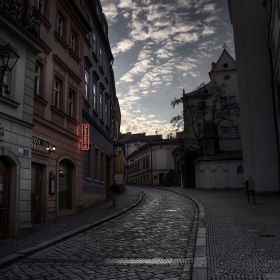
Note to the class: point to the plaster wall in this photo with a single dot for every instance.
(255, 94)
(218, 174)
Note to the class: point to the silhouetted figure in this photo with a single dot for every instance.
(115, 189)
(250, 188)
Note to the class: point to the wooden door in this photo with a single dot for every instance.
(4, 202)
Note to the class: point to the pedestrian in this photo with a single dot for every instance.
(115, 189)
(250, 188)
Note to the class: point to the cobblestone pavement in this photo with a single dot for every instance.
(243, 240)
(155, 240)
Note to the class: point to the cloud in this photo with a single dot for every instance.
(122, 46)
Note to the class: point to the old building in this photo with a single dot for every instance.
(20, 28)
(152, 163)
(58, 99)
(211, 126)
(97, 104)
(258, 79)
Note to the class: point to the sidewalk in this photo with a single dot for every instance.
(47, 234)
(243, 240)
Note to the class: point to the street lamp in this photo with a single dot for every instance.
(119, 149)
(8, 59)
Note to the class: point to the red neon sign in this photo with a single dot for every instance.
(85, 137)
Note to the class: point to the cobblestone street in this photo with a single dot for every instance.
(155, 240)
(243, 240)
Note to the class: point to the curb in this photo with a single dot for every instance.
(10, 259)
(199, 268)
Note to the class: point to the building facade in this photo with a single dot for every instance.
(97, 104)
(16, 117)
(257, 82)
(218, 162)
(58, 99)
(152, 163)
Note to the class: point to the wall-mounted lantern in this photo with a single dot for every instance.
(51, 149)
(8, 59)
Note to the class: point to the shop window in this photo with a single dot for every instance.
(65, 187)
(96, 164)
(102, 167)
(89, 164)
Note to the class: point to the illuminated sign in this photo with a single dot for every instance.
(85, 137)
(39, 144)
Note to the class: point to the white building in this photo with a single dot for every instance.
(216, 134)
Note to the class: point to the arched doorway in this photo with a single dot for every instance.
(65, 185)
(5, 170)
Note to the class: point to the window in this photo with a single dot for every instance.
(106, 112)
(102, 167)
(88, 170)
(100, 57)
(70, 104)
(233, 132)
(94, 96)
(223, 103)
(73, 41)
(225, 132)
(101, 106)
(94, 42)
(240, 169)
(106, 66)
(37, 80)
(57, 88)
(232, 102)
(227, 77)
(96, 164)
(40, 6)
(5, 89)
(86, 85)
(208, 149)
(144, 164)
(59, 28)
(229, 132)
(147, 162)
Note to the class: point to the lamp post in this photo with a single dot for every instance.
(8, 59)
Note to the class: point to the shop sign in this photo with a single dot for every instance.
(85, 137)
(39, 144)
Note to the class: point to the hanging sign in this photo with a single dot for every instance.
(85, 137)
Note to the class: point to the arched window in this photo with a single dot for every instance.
(208, 149)
(240, 169)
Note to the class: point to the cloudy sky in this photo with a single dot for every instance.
(161, 47)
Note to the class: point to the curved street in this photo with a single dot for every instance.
(155, 240)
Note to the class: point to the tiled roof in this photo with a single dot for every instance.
(222, 156)
(127, 138)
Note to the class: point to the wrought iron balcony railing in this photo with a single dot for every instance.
(23, 13)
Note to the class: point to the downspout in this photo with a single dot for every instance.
(152, 164)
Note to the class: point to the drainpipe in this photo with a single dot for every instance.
(152, 165)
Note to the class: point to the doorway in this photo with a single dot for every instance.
(4, 199)
(36, 193)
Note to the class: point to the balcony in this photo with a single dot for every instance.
(23, 14)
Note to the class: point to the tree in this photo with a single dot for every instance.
(207, 102)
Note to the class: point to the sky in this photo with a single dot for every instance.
(161, 47)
